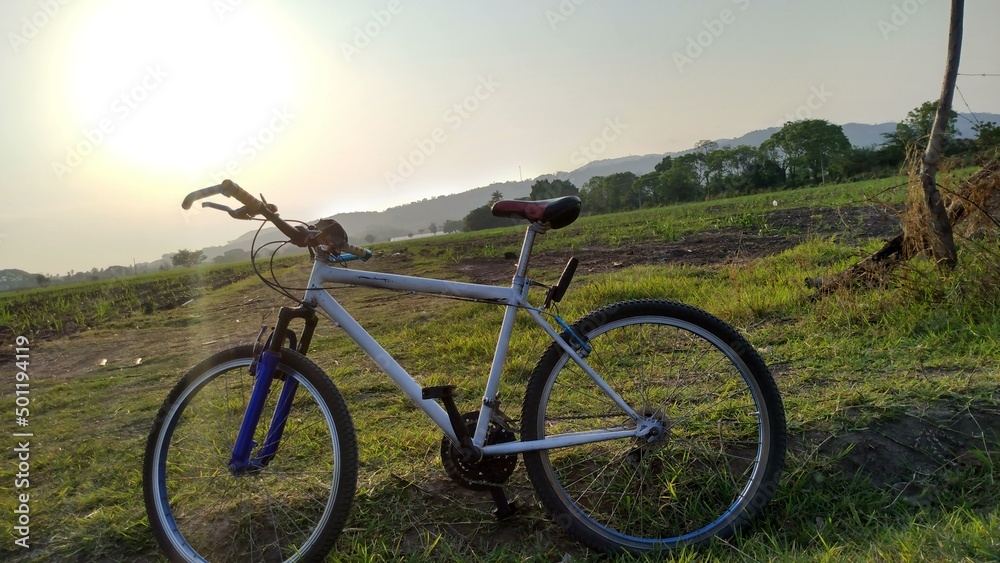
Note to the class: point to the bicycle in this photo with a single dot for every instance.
(646, 425)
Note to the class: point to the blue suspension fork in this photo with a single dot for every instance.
(267, 365)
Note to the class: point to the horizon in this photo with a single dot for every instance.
(244, 233)
(336, 109)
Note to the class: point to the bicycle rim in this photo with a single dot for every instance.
(702, 479)
(277, 514)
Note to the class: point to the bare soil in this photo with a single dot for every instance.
(784, 229)
(918, 453)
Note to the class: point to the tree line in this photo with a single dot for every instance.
(802, 153)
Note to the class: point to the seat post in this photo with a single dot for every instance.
(522, 261)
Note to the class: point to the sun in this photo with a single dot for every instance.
(180, 86)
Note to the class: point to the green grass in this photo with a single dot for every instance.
(861, 372)
(661, 224)
(70, 308)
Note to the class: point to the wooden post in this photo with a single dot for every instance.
(942, 240)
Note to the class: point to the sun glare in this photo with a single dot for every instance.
(177, 86)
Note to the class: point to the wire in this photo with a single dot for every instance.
(254, 249)
(959, 90)
(982, 74)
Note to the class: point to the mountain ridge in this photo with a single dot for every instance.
(415, 217)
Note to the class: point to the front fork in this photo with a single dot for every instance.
(265, 368)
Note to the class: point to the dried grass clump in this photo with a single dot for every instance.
(973, 207)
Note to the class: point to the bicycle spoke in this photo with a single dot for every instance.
(700, 455)
(264, 513)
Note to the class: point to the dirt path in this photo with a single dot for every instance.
(784, 229)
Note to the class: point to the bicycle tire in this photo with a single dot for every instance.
(723, 445)
(292, 510)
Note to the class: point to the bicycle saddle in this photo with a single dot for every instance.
(553, 213)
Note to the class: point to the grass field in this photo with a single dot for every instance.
(892, 394)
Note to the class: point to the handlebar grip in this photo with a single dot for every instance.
(232, 189)
(363, 254)
(200, 194)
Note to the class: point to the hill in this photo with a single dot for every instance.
(414, 217)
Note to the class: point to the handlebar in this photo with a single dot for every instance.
(298, 235)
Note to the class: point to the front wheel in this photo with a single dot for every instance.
(718, 446)
(292, 509)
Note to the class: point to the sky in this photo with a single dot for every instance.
(113, 110)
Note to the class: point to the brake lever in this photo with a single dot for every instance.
(240, 213)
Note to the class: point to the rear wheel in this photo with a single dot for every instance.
(293, 509)
(715, 455)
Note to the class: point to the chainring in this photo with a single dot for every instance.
(488, 472)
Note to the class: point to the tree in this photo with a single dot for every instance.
(495, 197)
(915, 129)
(706, 146)
(664, 164)
(873, 162)
(42, 280)
(482, 218)
(433, 228)
(647, 186)
(546, 189)
(452, 226)
(607, 194)
(810, 149)
(620, 190)
(369, 238)
(185, 258)
(987, 135)
(681, 182)
(731, 168)
(766, 174)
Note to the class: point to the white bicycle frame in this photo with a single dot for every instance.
(514, 297)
